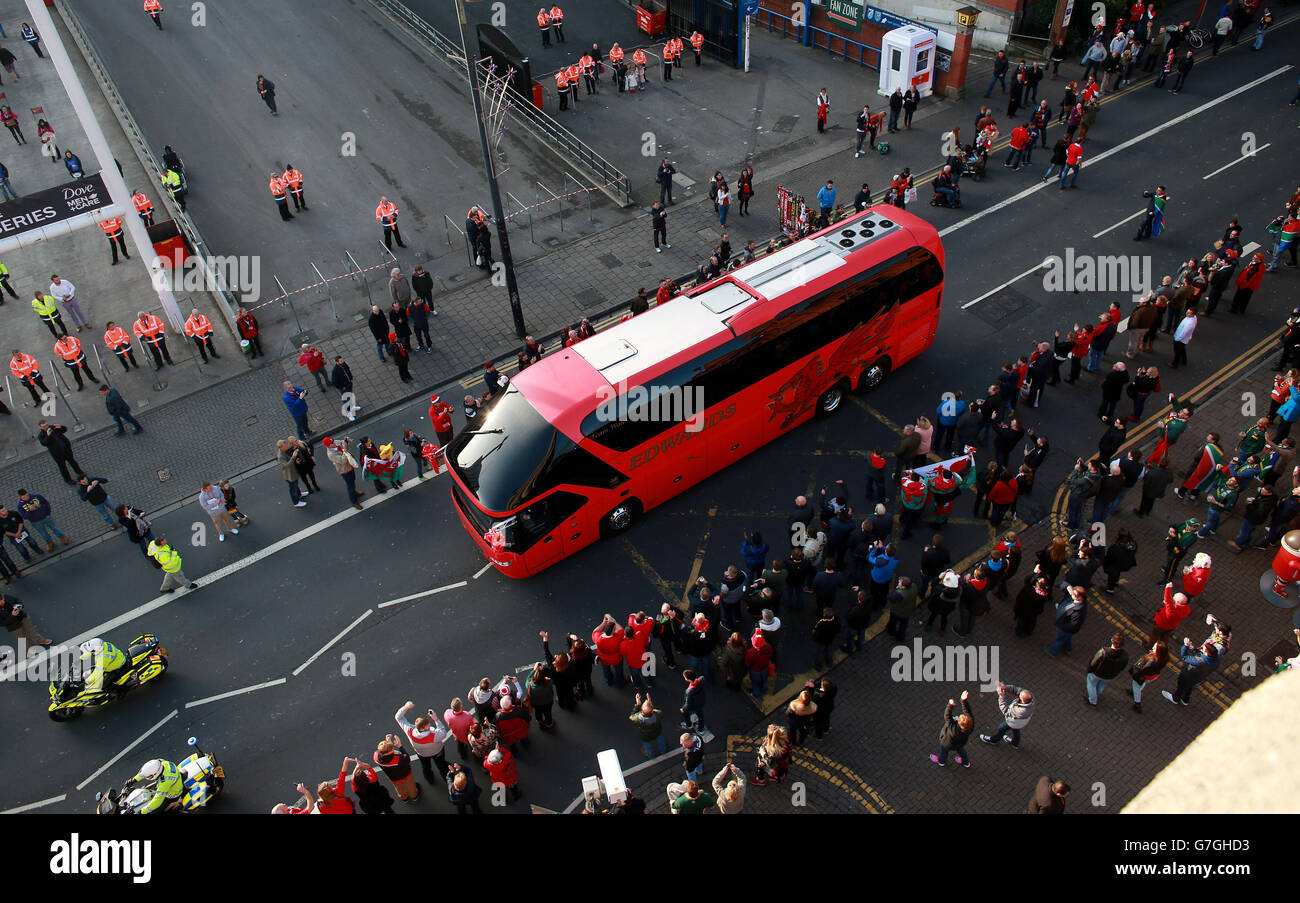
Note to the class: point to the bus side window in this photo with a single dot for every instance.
(541, 517)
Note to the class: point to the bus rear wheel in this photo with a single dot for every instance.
(874, 375)
(620, 518)
(831, 400)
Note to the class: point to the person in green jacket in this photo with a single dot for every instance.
(690, 799)
(1221, 500)
(1178, 543)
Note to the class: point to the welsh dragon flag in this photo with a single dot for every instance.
(379, 469)
(1158, 222)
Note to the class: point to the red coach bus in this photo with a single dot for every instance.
(583, 442)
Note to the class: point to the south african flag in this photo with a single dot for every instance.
(1158, 222)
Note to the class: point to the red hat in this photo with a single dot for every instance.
(327, 442)
(392, 337)
(433, 399)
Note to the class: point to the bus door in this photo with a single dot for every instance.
(547, 529)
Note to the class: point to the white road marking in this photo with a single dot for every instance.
(130, 746)
(427, 592)
(1020, 196)
(1251, 248)
(254, 688)
(9, 672)
(483, 570)
(1235, 162)
(994, 291)
(323, 649)
(27, 808)
(1120, 223)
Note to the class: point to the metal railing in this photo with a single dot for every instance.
(550, 133)
(820, 39)
(227, 300)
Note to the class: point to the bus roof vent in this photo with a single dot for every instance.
(602, 352)
(858, 233)
(722, 298)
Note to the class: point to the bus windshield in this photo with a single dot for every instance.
(511, 454)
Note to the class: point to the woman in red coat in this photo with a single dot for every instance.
(1248, 281)
(1083, 338)
(501, 768)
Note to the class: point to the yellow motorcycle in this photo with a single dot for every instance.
(146, 660)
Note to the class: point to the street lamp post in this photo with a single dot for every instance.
(507, 262)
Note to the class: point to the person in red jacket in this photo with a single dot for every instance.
(1002, 496)
(1248, 282)
(501, 768)
(512, 724)
(331, 799)
(440, 417)
(1019, 141)
(643, 624)
(1170, 615)
(608, 639)
(1079, 353)
(758, 661)
(633, 649)
(1197, 575)
(314, 360)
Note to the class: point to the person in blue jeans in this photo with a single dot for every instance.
(91, 489)
(9, 193)
(1000, 66)
(37, 512)
(1070, 614)
(1017, 707)
(650, 727)
(1220, 500)
(295, 399)
(378, 324)
(758, 661)
(12, 524)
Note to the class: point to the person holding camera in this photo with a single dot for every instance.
(427, 735)
(15, 619)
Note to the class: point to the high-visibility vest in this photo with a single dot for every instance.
(166, 556)
(24, 366)
(198, 325)
(588, 64)
(543, 20)
(149, 327)
(387, 214)
(557, 16)
(112, 227)
(677, 47)
(561, 80)
(116, 338)
(142, 203)
(171, 180)
(294, 178)
(45, 307)
(638, 57)
(152, 6)
(573, 73)
(4, 271)
(277, 188)
(697, 41)
(615, 54)
(668, 52)
(69, 348)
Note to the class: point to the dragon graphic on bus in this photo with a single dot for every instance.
(860, 348)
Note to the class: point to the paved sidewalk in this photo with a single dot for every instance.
(104, 292)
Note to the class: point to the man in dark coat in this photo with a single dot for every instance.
(52, 437)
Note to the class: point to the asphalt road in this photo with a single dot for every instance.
(263, 621)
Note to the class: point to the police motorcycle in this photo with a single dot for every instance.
(201, 776)
(144, 660)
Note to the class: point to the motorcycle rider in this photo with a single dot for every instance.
(163, 781)
(103, 664)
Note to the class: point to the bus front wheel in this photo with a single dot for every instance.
(831, 400)
(620, 519)
(874, 375)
